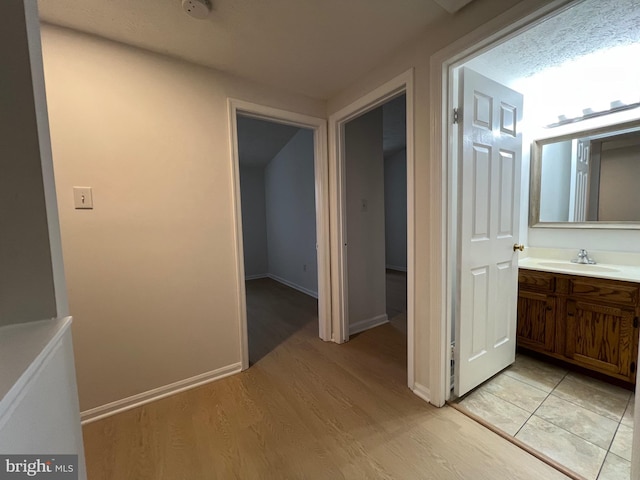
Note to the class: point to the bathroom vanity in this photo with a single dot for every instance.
(584, 179)
(586, 320)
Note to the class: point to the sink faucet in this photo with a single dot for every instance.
(583, 258)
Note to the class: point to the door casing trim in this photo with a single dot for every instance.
(511, 23)
(402, 83)
(321, 179)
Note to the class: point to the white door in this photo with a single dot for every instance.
(579, 190)
(489, 200)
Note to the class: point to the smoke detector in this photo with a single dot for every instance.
(196, 8)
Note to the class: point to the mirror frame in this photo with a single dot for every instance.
(535, 177)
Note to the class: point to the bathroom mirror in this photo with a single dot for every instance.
(588, 179)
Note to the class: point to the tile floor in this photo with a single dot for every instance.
(582, 423)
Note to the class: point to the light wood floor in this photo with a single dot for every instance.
(305, 409)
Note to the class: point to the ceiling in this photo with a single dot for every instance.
(259, 141)
(582, 56)
(313, 47)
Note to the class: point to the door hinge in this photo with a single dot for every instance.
(453, 367)
(453, 357)
(632, 367)
(457, 115)
(635, 322)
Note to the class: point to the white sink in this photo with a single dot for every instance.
(577, 267)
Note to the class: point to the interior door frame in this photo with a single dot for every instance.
(443, 151)
(403, 83)
(321, 177)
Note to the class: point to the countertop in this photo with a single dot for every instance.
(614, 266)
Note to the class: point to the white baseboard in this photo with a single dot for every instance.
(368, 323)
(421, 391)
(134, 401)
(257, 276)
(293, 285)
(396, 267)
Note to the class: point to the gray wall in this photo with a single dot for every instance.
(395, 210)
(365, 225)
(254, 225)
(619, 192)
(27, 289)
(291, 214)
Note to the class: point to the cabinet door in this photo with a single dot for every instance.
(536, 320)
(600, 337)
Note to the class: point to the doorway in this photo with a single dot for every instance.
(536, 238)
(376, 217)
(307, 272)
(279, 231)
(353, 202)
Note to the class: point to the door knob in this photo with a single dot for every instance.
(518, 246)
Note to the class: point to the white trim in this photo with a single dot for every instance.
(295, 286)
(422, 392)
(396, 268)
(257, 276)
(403, 83)
(319, 127)
(19, 389)
(119, 406)
(505, 26)
(368, 323)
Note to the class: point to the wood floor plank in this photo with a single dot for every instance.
(305, 409)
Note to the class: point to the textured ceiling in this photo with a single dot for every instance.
(587, 54)
(259, 141)
(313, 47)
(583, 29)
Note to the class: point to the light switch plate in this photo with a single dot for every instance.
(83, 197)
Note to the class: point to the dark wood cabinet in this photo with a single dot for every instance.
(536, 320)
(587, 321)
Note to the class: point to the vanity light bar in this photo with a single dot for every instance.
(616, 107)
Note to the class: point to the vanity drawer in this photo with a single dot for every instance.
(536, 280)
(603, 290)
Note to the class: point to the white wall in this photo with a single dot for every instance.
(151, 269)
(395, 210)
(364, 165)
(291, 214)
(556, 182)
(254, 223)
